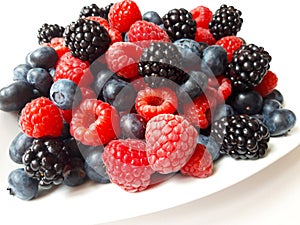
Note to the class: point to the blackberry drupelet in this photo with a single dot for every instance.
(48, 31)
(226, 21)
(94, 10)
(86, 39)
(248, 66)
(179, 24)
(241, 136)
(47, 160)
(161, 65)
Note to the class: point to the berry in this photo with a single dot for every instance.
(48, 31)
(20, 72)
(21, 185)
(275, 94)
(241, 136)
(86, 39)
(143, 30)
(179, 24)
(204, 35)
(151, 102)
(69, 67)
(230, 44)
(15, 96)
(133, 126)
(211, 145)
(94, 10)
(268, 84)
(202, 15)
(248, 102)
(171, 140)
(153, 17)
(18, 146)
(101, 79)
(94, 122)
(58, 44)
(47, 160)
(200, 164)
(40, 79)
(43, 57)
(248, 66)
(223, 110)
(226, 21)
(76, 174)
(122, 58)
(269, 105)
(40, 118)
(127, 164)
(126, 11)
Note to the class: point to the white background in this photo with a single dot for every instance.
(270, 196)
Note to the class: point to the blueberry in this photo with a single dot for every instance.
(269, 105)
(211, 145)
(119, 94)
(44, 57)
(18, 147)
(15, 96)
(214, 60)
(275, 94)
(100, 80)
(280, 121)
(76, 174)
(40, 79)
(152, 16)
(125, 37)
(133, 126)
(73, 147)
(223, 110)
(248, 102)
(65, 94)
(21, 185)
(94, 166)
(20, 72)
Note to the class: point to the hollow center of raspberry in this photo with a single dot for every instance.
(155, 101)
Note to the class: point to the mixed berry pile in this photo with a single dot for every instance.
(120, 96)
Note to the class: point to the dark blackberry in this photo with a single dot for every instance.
(179, 24)
(241, 136)
(248, 66)
(94, 10)
(226, 21)
(47, 160)
(161, 65)
(86, 39)
(48, 31)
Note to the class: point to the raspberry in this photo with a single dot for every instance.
(94, 123)
(200, 164)
(151, 102)
(219, 87)
(123, 14)
(230, 44)
(268, 84)
(58, 44)
(103, 22)
(143, 30)
(127, 164)
(122, 58)
(171, 141)
(204, 35)
(40, 118)
(202, 15)
(69, 67)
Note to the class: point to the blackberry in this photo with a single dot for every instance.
(161, 65)
(179, 24)
(86, 39)
(248, 66)
(241, 136)
(226, 21)
(47, 160)
(48, 31)
(94, 10)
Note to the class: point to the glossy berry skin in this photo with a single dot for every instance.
(269, 105)
(65, 94)
(204, 35)
(41, 80)
(202, 15)
(43, 57)
(268, 84)
(21, 185)
(249, 102)
(275, 94)
(132, 125)
(223, 110)
(18, 147)
(20, 72)
(230, 44)
(152, 16)
(101, 79)
(76, 174)
(15, 96)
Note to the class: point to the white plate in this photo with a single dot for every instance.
(96, 203)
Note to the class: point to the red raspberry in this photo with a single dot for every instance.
(127, 164)
(204, 35)
(58, 43)
(94, 123)
(200, 164)
(122, 58)
(103, 22)
(69, 67)
(151, 102)
(40, 118)
(202, 15)
(230, 44)
(171, 140)
(219, 87)
(123, 14)
(268, 84)
(146, 31)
